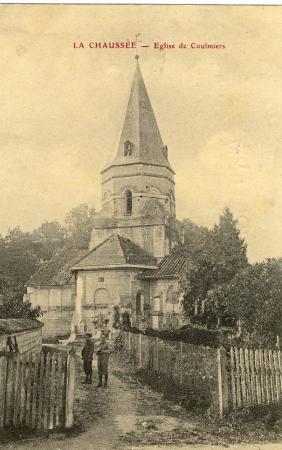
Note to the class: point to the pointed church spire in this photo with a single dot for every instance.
(140, 140)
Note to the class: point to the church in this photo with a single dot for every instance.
(130, 261)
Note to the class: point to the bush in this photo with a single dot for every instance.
(190, 399)
(125, 317)
(116, 317)
(202, 336)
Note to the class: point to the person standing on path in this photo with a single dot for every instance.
(87, 356)
(103, 355)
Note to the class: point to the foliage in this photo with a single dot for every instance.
(231, 290)
(47, 239)
(195, 237)
(12, 304)
(18, 261)
(190, 334)
(251, 423)
(254, 298)
(119, 342)
(230, 249)
(125, 319)
(99, 320)
(22, 253)
(9, 289)
(19, 309)
(213, 265)
(199, 397)
(116, 317)
(79, 224)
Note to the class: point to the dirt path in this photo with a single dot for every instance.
(126, 415)
(107, 418)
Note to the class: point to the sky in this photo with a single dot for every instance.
(219, 110)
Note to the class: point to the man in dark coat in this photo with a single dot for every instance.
(87, 356)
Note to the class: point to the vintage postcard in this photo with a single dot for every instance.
(140, 227)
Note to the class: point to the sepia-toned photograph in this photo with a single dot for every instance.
(140, 227)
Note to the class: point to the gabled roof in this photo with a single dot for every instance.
(116, 251)
(57, 271)
(12, 326)
(140, 129)
(169, 267)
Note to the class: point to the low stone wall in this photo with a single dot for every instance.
(57, 323)
(194, 368)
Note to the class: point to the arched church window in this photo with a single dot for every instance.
(128, 202)
(128, 148)
(102, 299)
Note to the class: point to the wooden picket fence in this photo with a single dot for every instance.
(37, 392)
(254, 377)
(236, 377)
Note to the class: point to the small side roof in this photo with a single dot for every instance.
(57, 271)
(116, 251)
(12, 326)
(171, 266)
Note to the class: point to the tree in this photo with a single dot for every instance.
(47, 239)
(18, 261)
(199, 279)
(51, 231)
(195, 237)
(12, 304)
(254, 297)
(213, 265)
(79, 223)
(230, 249)
(22, 253)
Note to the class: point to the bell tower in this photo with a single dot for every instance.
(138, 189)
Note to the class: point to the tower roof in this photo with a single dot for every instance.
(140, 129)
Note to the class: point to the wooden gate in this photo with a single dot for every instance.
(37, 392)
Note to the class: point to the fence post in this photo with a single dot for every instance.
(277, 342)
(52, 392)
(16, 399)
(34, 394)
(69, 390)
(140, 350)
(3, 376)
(279, 368)
(181, 362)
(157, 354)
(222, 380)
(9, 391)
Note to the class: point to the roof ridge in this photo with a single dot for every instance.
(133, 244)
(95, 248)
(116, 249)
